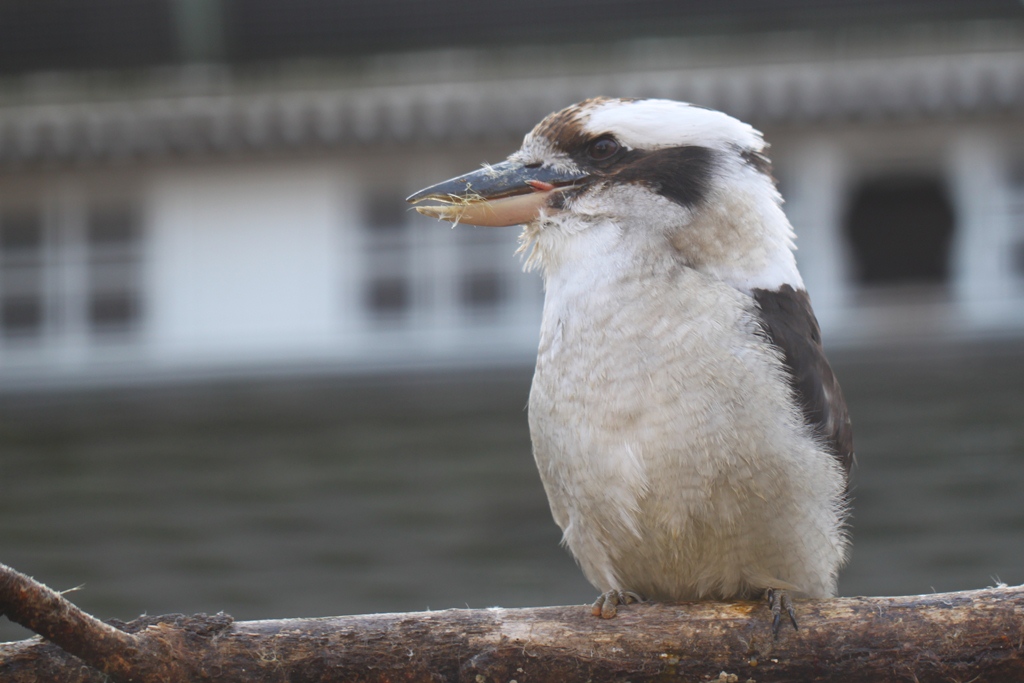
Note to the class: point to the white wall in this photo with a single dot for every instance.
(989, 292)
(815, 186)
(243, 263)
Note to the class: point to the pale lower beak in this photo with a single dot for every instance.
(508, 193)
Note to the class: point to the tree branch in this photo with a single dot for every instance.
(943, 637)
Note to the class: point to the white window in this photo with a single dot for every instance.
(22, 273)
(69, 269)
(113, 266)
(485, 285)
(389, 248)
(445, 287)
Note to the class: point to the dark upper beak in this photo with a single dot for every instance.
(506, 179)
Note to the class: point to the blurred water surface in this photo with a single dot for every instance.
(287, 498)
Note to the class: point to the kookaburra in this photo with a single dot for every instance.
(691, 437)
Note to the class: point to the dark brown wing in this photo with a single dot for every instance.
(789, 323)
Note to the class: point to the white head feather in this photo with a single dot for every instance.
(657, 124)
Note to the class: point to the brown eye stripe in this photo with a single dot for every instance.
(682, 174)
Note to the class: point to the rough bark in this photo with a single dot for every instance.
(971, 635)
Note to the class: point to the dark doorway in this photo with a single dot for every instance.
(900, 228)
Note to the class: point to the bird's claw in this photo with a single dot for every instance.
(606, 605)
(779, 600)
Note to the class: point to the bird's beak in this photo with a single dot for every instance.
(508, 193)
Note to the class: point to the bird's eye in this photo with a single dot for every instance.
(602, 148)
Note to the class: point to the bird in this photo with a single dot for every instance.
(690, 434)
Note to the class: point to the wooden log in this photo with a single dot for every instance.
(970, 635)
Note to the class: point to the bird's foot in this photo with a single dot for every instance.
(779, 600)
(606, 605)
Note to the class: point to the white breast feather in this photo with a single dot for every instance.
(671, 450)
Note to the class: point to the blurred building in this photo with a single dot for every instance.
(195, 186)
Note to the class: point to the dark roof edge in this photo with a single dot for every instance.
(218, 123)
